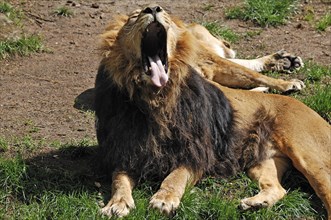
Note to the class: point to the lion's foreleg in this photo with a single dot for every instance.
(121, 201)
(268, 174)
(168, 197)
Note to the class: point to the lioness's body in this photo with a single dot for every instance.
(300, 134)
(163, 114)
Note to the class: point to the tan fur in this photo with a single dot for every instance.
(121, 202)
(300, 136)
(210, 62)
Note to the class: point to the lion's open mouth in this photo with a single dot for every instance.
(154, 53)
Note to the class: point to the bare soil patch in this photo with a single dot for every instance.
(37, 93)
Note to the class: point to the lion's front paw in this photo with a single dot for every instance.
(252, 203)
(118, 206)
(165, 201)
(285, 62)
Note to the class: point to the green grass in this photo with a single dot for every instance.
(320, 24)
(223, 32)
(320, 100)
(263, 12)
(3, 145)
(22, 46)
(317, 94)
(11, 12)
(42, 186)
(324, 22)
(64, 11)
(316, 73)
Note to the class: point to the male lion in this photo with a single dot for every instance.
(159, 116)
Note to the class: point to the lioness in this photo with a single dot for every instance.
(161, 114)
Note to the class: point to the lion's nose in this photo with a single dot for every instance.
(152, 10)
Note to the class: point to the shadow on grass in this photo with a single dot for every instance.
(293, 180)
(52, 184)
(68, 170)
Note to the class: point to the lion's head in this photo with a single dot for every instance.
(148, 50)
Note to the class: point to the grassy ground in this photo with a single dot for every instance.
(23, 44)
(43, 179)
(263, 12)
(58, 184)
(11, 12)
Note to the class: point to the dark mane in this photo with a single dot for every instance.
(200, 130)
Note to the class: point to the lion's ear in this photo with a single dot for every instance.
(108, 38)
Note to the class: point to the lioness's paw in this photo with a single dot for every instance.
(294, 85)
(285, 62)
(265, 198)
(119, 207)
(165, 201)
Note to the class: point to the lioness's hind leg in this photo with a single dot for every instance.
(268, 173)
(316, 167)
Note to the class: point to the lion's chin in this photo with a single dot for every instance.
(154, 54)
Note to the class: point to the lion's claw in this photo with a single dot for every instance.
(295, 85)
(165, 201)
(118, 207)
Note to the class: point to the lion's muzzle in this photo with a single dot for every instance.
(154, 51)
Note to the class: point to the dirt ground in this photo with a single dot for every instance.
(38, 92)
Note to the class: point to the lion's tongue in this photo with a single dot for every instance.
(159, 77)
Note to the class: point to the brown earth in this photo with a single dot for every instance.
(38, 92)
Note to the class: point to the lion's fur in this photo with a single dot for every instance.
(187, 108)
(141, 135)
(193, 122)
